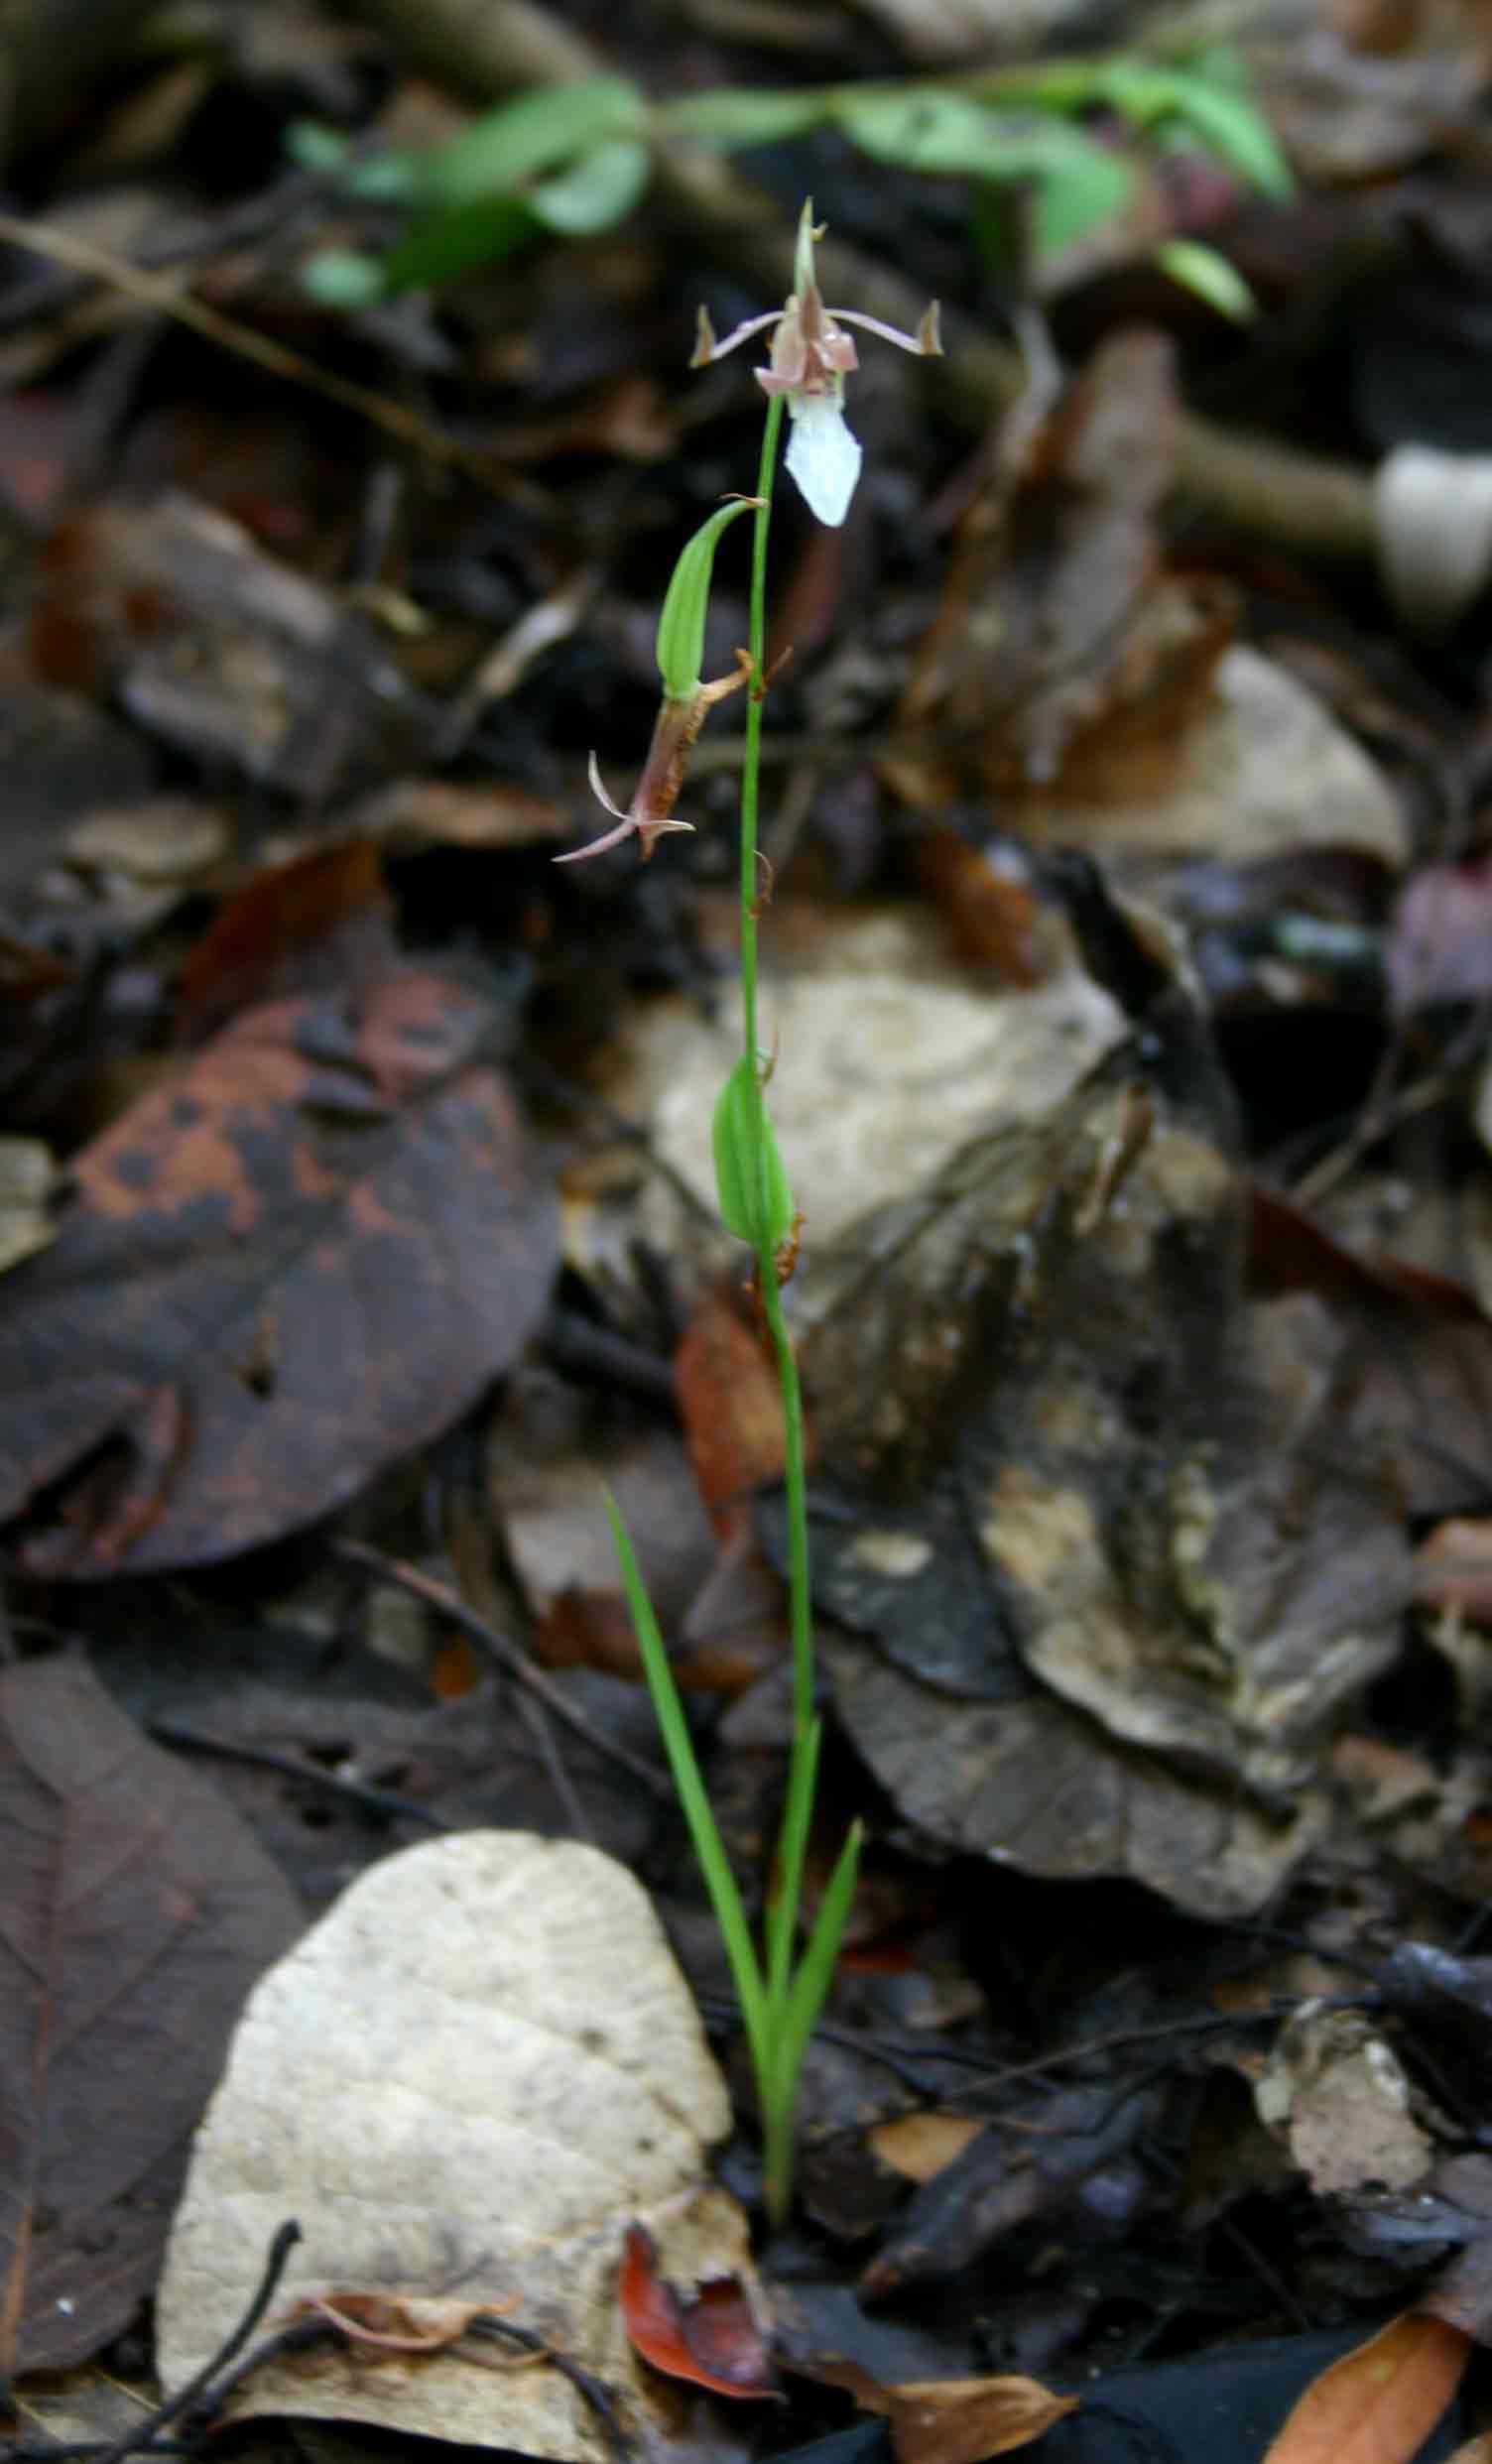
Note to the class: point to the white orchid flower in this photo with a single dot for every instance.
(812, 354)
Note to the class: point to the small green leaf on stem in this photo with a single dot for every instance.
(756, 1196)
(681, 626)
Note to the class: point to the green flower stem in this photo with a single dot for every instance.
(752, 765)
(782, 1917)
(793, 2002)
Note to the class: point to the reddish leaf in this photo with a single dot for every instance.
(135, 1911)
(731, 1409)
(289, 1265)
(1377, 2405)
(712, 2338)
(323, 917)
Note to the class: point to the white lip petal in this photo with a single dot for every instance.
(822, 456)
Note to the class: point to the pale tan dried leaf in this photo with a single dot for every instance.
(964, 2421)
(1335, 2091)
(919, 2145)
(467, 2081)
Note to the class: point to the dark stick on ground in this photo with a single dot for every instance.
(509, 1658)
(199, 2399)
(383, 1801)
(591, 2389)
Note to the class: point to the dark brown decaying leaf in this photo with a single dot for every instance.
(1413, 1367)
(1055, 616)
(997, 2183)
(289, 1266)
(1073, 1467)
(135, 1913)
(323, 917)
(220, 649)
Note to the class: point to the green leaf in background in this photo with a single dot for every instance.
(595, 191)
(392, 179)
(443, 245)
(929, 129)
(1213, 101)
(537, 133)
(1212, 277)
(1226, 118)
(744, 115)
(1092, 189)
(389, 177)
(315, 146)
(342, 278)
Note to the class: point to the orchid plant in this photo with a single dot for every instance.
(811, 355)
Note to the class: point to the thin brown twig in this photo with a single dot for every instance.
(510, 1659)
(386, 1803)
(165, 296)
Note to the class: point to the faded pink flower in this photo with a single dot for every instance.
(811, 357)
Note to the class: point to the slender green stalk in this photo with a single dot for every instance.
(752, 766)
(793, 2003)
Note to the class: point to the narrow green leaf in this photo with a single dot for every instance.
(1236, 130)
(1210, 274)
(694, 1796)
(1241, 135)
(680, 622)
(535, 134)
(1213, 99)
(792, 1849)
(815, 1971)
(596, 190)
